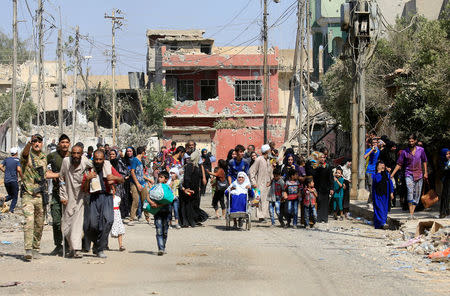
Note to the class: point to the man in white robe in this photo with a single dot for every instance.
(261, 174)
(72, 198)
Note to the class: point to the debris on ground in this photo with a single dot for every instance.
(9, 284)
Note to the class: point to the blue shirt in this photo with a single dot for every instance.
(373, 158)
(11, 164)
(234, 168)
(138, 168)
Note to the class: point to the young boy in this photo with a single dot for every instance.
(161, 217)
(338, 196)
(309, 202)
(292, 196)
(275, 196)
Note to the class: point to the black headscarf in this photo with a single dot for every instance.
(382, 186)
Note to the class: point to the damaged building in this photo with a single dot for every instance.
(218, 90)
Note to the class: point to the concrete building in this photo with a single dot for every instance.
(328, 39)
(218, 90)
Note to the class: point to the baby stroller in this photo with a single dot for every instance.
(238, 207)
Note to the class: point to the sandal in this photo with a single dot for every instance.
(122, 248)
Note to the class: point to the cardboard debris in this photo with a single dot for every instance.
(429, 226)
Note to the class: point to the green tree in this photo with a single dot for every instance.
(421, 50)
(6, 50)
(25, 109)
(155, 105)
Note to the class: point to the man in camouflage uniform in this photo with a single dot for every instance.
(33, 164)
(54, 160)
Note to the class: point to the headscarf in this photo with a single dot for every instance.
(195, 158)
(239, 188)
(382, 186)
(176, 171)
(314, 158)
(115, 161)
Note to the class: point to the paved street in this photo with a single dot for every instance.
(339, 258)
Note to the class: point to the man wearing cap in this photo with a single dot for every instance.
(34, 166)
(55, 159)
(260, 177)
(11, 167)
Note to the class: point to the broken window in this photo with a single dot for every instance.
(185, 90)
(205, 48)
(247, 90)
(208, 89)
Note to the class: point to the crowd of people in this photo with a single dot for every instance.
(95, 192)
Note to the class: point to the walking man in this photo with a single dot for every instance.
(34, 200)
(138, 189)
(260, 177)
(11, 167)
(412, 159)
(55, 160)
(73, 198)
(100, 214)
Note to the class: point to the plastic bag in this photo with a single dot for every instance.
(156, 192)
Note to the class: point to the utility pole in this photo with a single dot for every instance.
(266, 73)
(308, 74)
(361, 70)
(60, 83)
(14, 79)
(40, 62)
(302, 65)
(356, 20)
(115, 20)
(75, 78)
(294, 71)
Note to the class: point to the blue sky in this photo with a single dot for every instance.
(230, 22)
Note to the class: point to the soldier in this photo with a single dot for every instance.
(34, 165)
(55, 159)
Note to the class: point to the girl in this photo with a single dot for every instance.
(382, 189)
(221, 184)
(338, 195)
(292, 196)
(174, 184)
(117, 230)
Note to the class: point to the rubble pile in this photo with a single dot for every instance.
(431, 238)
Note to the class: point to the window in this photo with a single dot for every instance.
(185, 90)
(247, 90)
(205, 48)
(208, 89)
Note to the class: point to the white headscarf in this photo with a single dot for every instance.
(239, 188)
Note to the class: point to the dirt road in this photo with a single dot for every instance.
(339, 258)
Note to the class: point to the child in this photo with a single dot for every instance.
(275, 196)
(117, 230)
(309, 203)
(161, 217)
(338, 196)
(174, 185)
(221, 184)
(292, 196)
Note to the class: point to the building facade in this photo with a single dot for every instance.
(218, 91)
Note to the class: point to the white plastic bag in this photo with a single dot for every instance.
(157, 192)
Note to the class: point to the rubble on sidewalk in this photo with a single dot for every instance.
(430, 237)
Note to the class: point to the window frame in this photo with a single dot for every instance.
(247, 90)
